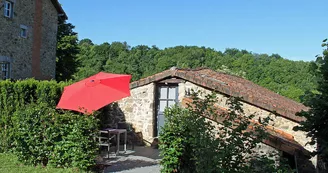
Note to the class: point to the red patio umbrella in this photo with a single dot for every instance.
(95, 92)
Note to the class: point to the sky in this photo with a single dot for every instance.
(293, 29)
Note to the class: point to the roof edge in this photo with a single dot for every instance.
(156, 77)
(60, 10)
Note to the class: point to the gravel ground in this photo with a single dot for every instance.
(147, 169)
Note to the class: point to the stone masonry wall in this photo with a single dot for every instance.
(278, 122)
(49, 39)
(19, 49)
(11, 44)
(139, 110)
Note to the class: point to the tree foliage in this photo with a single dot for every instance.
(270, 71)
(67, 49)
(317, 117)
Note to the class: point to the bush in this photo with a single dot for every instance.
(42, 136)
(76, 145)
(188, 141)
(39, 134)
(14, 95)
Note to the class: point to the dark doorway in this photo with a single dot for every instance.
(290, 160)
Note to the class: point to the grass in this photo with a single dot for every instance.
(10, 164)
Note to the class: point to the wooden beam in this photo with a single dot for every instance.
(171, 81)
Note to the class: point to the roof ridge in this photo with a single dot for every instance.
(190, 69)
(206, 68)
(221, 72)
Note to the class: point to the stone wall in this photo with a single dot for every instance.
(49, 39)
(139, 110)
(11, 44)
(19, 49)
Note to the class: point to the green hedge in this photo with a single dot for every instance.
(62, 139)
(14, 95)
(37, 133)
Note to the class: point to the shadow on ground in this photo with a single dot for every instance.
(138, 158)
(128, 165)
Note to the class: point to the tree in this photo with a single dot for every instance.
(86, 41)
(272, 72)
(316, 124)
(67, 50)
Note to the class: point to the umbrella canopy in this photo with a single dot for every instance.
(95, 92)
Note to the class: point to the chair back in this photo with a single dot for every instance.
(124, 125)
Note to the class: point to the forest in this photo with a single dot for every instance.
(79, 59)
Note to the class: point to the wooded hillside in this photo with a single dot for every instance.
(286, 77)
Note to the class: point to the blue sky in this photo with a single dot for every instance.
(292, 28)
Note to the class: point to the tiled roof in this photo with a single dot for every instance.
(232, 86)
(59, 9)
(276, 138)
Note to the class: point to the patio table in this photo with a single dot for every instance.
(118, 133)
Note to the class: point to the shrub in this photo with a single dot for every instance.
(188, 141)
(14, 95)
(76, 145)
(39, 134)
(42, 136)
(33, 134)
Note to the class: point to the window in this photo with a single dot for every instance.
(8, 12)
(5, 70)
(23, 31)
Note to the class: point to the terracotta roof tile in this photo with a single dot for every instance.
(234, 86)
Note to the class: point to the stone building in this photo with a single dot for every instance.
(28, 38)
(149, 97)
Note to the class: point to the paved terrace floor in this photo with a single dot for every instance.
(139, 160)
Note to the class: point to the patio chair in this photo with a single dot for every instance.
(104, 140)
